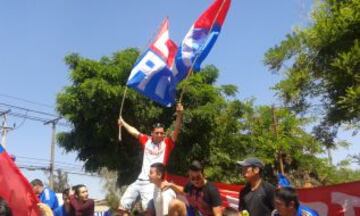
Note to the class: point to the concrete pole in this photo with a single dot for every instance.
(52, 150)
(4, 128)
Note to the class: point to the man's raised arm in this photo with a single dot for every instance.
(178, 121)
(130, 129)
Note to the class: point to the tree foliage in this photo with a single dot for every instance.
(218, 129)
(321, 63)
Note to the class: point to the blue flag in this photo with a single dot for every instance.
(152, 75)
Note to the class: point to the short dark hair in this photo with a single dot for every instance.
(287, 194)
(229, 211)
(4, 208)
(37, 182)
(157, 125)
(160, 168)
(76, 188)
(196, 166)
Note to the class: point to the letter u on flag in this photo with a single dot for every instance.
(152, 75)
(15, 189)
(200, 38)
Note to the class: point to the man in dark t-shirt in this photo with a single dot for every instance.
(203, 197)
(257, 197)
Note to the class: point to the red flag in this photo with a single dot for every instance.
(15, 189)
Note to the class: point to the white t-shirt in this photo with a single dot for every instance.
(162, 200)
(154, 153)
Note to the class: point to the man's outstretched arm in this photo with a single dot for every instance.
(178, 121)
(130, 129)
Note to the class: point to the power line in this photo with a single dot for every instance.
(29, 110)
(44, 163)
(36, 118)
(47, 160)
(46, 168)
(26, 101)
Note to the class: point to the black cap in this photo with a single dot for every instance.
(196, 166)
(251, 162)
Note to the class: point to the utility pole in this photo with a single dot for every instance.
(279, 152)
(52, 149)
(4, 128)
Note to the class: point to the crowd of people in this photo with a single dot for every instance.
(160, 197)
(76, 200)
(199, 196)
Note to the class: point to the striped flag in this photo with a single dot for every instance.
(200, 38)
(152, 75)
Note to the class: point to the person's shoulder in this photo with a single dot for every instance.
(268, 186)
(246, 188)
(50, 191)
(211, 185)
(58, 210)
(169, 192)
(275, 213)
(90, 201)
(306, 211)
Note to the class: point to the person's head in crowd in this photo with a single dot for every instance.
(157, 173)
(38, 186)
(286, 201)
(229, 211)
(158, 132)
(45, 209)
(251, 169)
(4, 208)
(196, 174)
(81, 192)
(66, 196)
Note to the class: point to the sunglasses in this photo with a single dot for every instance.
(159, 133)
(196, 178)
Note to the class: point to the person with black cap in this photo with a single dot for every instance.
(202, 196)
(257, 197)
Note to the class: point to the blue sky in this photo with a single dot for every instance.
(35, 35)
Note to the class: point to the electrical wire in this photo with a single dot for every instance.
(26, 100)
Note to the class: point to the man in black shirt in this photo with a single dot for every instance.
(257, 197)
(203, 197)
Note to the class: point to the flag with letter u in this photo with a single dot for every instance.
(152, 75)
(200, 38)
(15, 189)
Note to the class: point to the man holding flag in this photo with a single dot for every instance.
(157, 148)
(155, 75)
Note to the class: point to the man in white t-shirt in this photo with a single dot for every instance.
(161, 198)
(157, 148)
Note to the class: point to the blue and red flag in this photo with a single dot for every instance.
(152, 75)
(15, 189)
(200, 39)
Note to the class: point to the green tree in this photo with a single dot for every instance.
(321, 63)
(91, 103)
(218, 129)
(278, 134)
